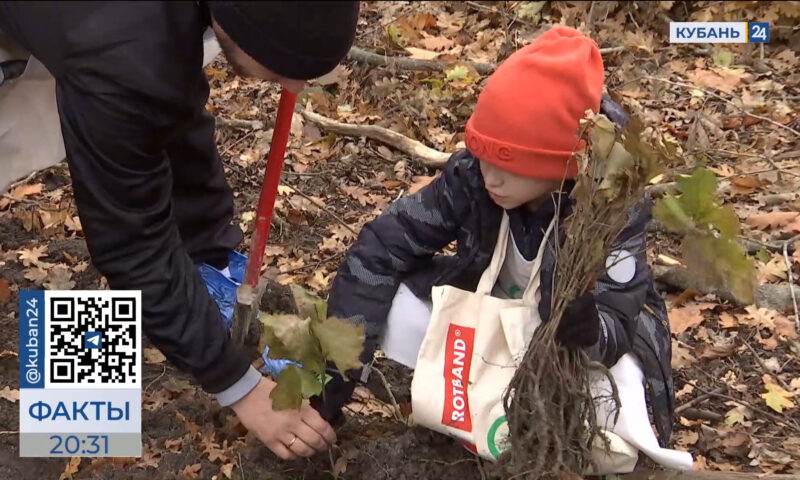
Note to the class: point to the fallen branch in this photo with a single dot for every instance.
(700, 414)
(426, 155)
(240, 123)
(697, 399)
(791, 277)
(406, 63)
(773, 296)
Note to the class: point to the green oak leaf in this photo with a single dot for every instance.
(668, 211)
(531, 10)
(724, 219)
(720, 263)
(308, 305)
(310, 383)
(289, 336)
(459, 72)
(341, 342)
(698, 192)
(288, 393)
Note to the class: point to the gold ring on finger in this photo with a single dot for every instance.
(294, 439)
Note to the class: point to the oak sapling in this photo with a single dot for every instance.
(549, 405)
(311, 339)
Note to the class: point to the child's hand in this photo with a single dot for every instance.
(338, 392)
(580, 326)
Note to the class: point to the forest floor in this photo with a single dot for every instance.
(733, 108)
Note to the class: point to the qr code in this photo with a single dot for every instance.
(93, 338)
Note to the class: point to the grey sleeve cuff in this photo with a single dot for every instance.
(242, 387)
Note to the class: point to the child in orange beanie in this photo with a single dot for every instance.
(511, 177)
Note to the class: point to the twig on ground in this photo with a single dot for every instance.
(240, 123)
(700, 414)
(230, 147)
(697, 399)
(426, 155)
(775, 418)
(163, 371)
(326, 210)
(398, 414)
(9, 432)
(741, 109)
(19, 200)
(448, 464)
(241, 466)
(590, 17)
(764, 369)
(791, 277)
(23, 181)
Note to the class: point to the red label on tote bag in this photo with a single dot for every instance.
(457, 361)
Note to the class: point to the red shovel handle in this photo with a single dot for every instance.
(269, 189)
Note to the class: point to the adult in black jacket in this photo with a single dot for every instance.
(147, 176)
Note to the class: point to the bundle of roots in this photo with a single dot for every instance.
(550, 406)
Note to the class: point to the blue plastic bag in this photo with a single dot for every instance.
(222, 289)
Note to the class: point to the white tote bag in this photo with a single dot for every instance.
(470, 352)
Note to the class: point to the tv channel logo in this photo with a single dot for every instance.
(719, 32)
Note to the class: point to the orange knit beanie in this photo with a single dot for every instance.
(527, 117)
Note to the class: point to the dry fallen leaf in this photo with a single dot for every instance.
(421, 54)
(684, 438)
(149, 459)
(59, 278)
(227, 470)
(776, 397)
(339, 467)
(365, 403)
(726, 320)
(173, 445)
(10, 394)
(686, 390)
(5, 290)
(71, 468)
(191, 471)
(419, 182)
(684, 318)
(30, 257)
(772, 271)
(20, 192)
(153, 355)
(682, 357)
(36, 275)
(437, 43)
(783, 221)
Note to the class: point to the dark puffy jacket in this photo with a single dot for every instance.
(403, 245)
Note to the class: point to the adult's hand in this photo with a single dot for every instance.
(288, 433)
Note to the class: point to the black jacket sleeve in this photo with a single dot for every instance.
(402, 239)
